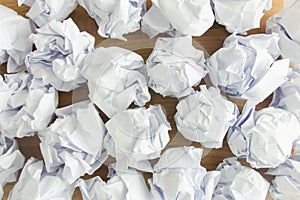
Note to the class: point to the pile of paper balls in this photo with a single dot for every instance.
(46, 53)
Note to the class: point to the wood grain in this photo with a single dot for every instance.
(212, 40)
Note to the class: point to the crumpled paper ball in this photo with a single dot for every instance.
(239, 182)
(285, 24)
(35, 183)
(242, 69)
(61, 50)
(127, 185)
(242, 15)
(115, 17)
(287, 96)
(27, 105)
(135, 136)
(179, 175)
(286, 184)
(196, 17)
(11, 161)
(116, 78)
(14, 43)
(205, 117)
(265, 137)
(74, 141)
(44, 11)
(175, 66)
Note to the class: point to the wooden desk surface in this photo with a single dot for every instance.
(212, 40)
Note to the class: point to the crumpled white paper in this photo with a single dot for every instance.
(287, 96)
(242, 15)
(44, 11)
(178, 17)
(239, 182)
(35, 183)
(11, 160)
(14, 43)
(26, 104)
(179, 175)
(127, 185)
(136, 136)
(286, 25)
(286, 184)
(115, 17)
(175, 66)
(205, 117)
(74, 141)
(242, 67)
(116, 78)
(264, 137)
(61, 50)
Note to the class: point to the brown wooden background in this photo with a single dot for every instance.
(212, 40)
